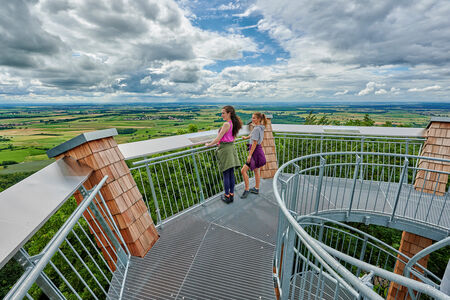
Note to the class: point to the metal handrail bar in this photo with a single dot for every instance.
(424, 252)
(188, 151)
(329, 277)
(370, 164)
(285, 134)
(20, 289)
(402, 280)
(314, 247)
(406, 258)
(364, 153)
(155, 160)
(301, 218)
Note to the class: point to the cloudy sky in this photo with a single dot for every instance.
(240, 50)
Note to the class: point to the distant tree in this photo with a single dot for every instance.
(192, 128)
(181, 131)
(311, 119)
(367, 121)
(388, 124)
(126, 130)
(335, 122)
(323, 120)
(352, 122)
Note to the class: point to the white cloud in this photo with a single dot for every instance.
(425, 89)
(229, 6)
(78, 48)
(341, 93)
(252, 10)
(370, 88)
(395, 90)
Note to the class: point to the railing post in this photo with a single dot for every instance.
(295, 189)
(399, 189)
(319, 185)
(43, 282)
(199, 182)
(355, 177)
(407, 152)
(361, 173)
(122, 256)
(155, 200)
(288, 259)
(362, 254)
(321, 143)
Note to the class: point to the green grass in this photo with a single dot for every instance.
(21, 155)
(30, 166)
(39, 130)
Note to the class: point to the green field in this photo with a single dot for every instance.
(27, 132)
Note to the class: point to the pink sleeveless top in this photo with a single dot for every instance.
(228, 137)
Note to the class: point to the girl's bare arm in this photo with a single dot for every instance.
(222, 132)
(252, 149)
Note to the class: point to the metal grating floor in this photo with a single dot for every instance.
(425, 211)
(217, 251)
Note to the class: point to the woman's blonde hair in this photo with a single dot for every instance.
(262, 118)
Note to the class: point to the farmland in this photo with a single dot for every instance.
(26, 132)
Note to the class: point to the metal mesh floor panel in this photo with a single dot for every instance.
(230, 266)
(216, 251)
(253, 210)
(160, 274)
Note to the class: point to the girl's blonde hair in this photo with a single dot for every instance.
(262, 118)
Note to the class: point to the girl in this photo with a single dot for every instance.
(256, 158)
(226, 153)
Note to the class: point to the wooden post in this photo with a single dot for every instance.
(99, 151)
(268, 144)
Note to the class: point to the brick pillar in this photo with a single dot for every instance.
(268, 144)
(99, 151)
(437, 145)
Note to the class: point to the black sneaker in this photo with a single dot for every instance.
(245, 194)
(226, 199)
(254, 190)
(231, 198)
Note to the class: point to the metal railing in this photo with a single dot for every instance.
(291, 145)
(86, 258)
(339, 185)
(397, 190)
(174, 183)
(348, 244)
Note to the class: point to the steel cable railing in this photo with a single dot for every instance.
(333, 183)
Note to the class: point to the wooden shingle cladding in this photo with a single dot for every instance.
(120, 193)
(437, 145)
(268, 144)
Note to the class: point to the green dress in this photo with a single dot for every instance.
(227, 156)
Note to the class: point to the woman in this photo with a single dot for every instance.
(256, 158)
(226, 153)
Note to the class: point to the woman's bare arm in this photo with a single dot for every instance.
(223, 130)
(252, 149)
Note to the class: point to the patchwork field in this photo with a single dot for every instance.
(27, 132)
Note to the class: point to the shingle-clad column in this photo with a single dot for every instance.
(99, 151)
(268, 144)
(437, 145)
